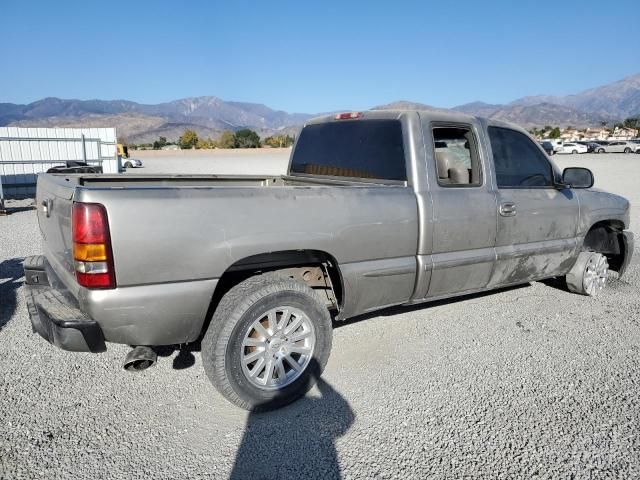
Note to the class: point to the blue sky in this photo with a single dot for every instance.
(314, 56)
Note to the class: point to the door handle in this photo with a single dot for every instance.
(507, 209)
(47, 206)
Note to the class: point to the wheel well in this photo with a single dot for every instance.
(317, 269)
(605, 237)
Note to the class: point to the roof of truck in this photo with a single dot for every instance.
(436, 115)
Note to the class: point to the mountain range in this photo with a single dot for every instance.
(209, 116)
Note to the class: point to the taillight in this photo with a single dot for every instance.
(348, 115)
(92, 254)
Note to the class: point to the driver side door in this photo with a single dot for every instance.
(537, 222)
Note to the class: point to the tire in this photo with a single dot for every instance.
(256, 301)
(588, 276)
(128, 165)
(600, 150)
(574, 152)
(627, 150)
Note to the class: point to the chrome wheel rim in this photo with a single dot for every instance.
(595, 275)
(277, 347)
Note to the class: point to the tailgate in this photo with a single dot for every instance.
(54, 199)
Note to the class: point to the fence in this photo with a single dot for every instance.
(25, 152)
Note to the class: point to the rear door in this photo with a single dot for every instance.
(616, 147)
(464, 209)
(537, 222)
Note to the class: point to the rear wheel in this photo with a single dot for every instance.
(128, 165)
(574, 151)
(589, 274)
(268, 342)
(600, 150)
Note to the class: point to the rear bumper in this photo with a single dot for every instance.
(157, 314)
(54, 314)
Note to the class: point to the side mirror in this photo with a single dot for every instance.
(577, 177)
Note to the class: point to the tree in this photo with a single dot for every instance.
(554, 133)
(279, 141)
(246, 138)
(189, 139)
(206, 144)
(227, 140)
(161, 142)
(632, 122)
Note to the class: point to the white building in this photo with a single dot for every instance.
(622, 133)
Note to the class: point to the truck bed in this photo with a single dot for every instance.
(180, 233)
(169, 180)
(124, 181)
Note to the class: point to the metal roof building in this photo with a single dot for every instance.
(25, 152)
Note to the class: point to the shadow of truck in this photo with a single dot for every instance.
(11, 276)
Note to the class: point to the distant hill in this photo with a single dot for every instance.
(619, 99)
(406, 105)
(139, 123)
(608, 103)
(536, 115)
(525, 115)
(480, 109)
(209, 116)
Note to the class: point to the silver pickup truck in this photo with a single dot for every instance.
(376, 209)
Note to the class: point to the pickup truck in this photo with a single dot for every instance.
(377, 208)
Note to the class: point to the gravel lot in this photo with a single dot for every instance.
(526, 382)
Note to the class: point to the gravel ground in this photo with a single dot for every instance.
(526, 382)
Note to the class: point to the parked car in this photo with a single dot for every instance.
(557, 144)
(570, 147)
(132, 163)
(382, 208)
(592, 147)
(618, 146)
(548, 147)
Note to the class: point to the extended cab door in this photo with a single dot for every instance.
(537, 222)
(463, 221)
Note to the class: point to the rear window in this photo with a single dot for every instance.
(357, 148)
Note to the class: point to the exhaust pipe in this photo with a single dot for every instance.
(140, 358)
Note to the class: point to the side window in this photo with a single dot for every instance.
(518, 161)
(456, 153)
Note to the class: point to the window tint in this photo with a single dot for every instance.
(456, 155)
(351, 148)
(518, 161)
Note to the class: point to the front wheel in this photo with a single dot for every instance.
(600, 150)
(627, 150)
(128, 165)
(268, 342)
(589, 274)
(574, 152)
